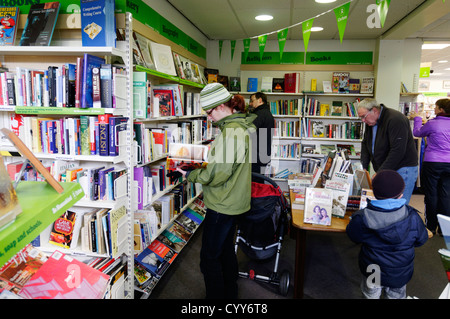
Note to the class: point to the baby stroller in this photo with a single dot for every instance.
(261, 230)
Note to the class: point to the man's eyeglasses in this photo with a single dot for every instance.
(364, 116)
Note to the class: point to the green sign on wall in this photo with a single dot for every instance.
(273, 58)
(345, 58)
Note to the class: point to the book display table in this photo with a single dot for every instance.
(337, 225)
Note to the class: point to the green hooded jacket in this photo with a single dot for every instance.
(226, 180)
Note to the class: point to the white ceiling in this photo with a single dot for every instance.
(234, 19)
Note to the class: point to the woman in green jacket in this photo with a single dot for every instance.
(226, 182)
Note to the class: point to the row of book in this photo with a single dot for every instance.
(290, 83)
(84, 135)
(152, 101)
(155, 259)
(157, 56)
(287, 128)
(288, 151)
(345, 130)
(32, 274)
(324, 149)
(286, 107)
(314, 107)
(154, 141)
(89, 83)
(155, 217)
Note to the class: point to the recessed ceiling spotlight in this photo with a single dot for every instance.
(434, 46)
(264, 17)
(325, 1)
(316, 29)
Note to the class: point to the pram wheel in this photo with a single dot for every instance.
(284, 283)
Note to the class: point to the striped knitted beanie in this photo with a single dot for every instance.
(214, 94)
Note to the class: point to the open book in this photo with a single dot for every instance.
(187, 156)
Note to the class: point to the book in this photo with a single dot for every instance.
(318, 206)
(266, 84)
(235, 83)
(365, 195)
(341, 191)
(278, 85)
(291, 82)
(340, 82)
(21, 267)
(9, 205)
(40, 24)
(162, 58)
(336, 108)
(252, 84)
(63, 230)
(187, 156)
(164, 99)
(444, 225)
(327, 87)
(367, 85)
(64, 277)
(8, 21)
(98, 23)
(152, 262)
(354, 86)
(140, 94)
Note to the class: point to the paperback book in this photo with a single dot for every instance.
(64, 277)
(9, 205)
(318, 206)
(98, 23)
(41, 21)
(8, 25)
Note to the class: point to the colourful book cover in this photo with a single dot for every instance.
(41, 21)
(89, 62)
(98, 23)
(64, 277)
(20, 268)
(62, 230)
(8, 25)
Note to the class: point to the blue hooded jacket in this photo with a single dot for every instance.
(389, 231)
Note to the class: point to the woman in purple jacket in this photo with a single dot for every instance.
(436, 162)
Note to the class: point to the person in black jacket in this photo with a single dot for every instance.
(265, 125)
(389, 230)
(388, 142)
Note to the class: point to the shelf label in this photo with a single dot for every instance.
(273, 58)
(58, 110)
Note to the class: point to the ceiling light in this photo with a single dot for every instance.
(325, 1)
(443, 61)
(316, 29)
(264, 17)
(434, 46)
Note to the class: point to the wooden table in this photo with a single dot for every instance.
(337, 225)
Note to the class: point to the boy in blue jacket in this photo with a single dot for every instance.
(388, 230)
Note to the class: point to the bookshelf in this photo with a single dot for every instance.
(304, 117)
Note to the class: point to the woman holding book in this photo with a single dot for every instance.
(436, 162)
(226, 182)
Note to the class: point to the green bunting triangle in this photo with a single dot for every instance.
(306, 29)
(282, 35)
(341, 14)
(233, 46)
(383, 7)
(220, 48)
(262, 39)
(246, 48)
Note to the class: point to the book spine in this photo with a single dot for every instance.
(103, 127)
(78, 77)
(96, 99)
(85, 135)
(106, 85)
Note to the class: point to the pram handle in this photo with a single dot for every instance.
(265, 178)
